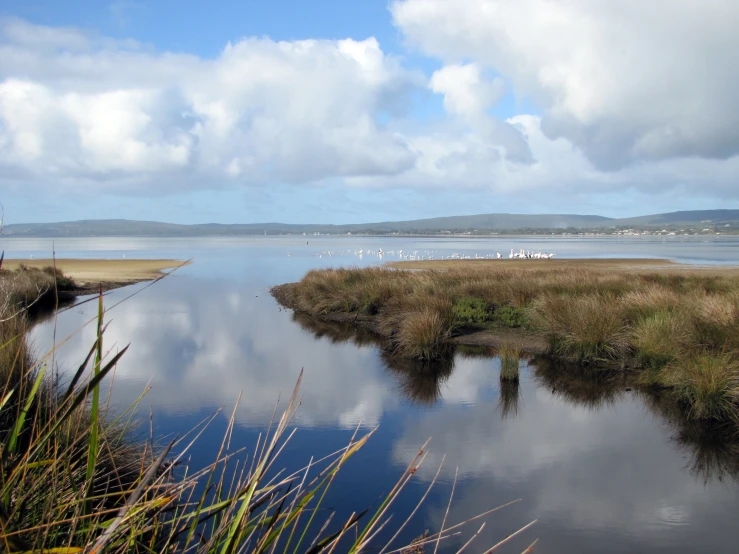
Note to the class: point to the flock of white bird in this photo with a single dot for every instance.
(417, 255)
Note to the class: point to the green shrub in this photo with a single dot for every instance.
(472, 311)
(510, 316)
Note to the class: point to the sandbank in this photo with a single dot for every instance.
(603, 264)
(108, 272)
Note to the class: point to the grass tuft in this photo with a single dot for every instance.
(510, 357)
(708, 384)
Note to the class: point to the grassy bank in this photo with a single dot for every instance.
(76, 476)
(25, 287)
(680, 328)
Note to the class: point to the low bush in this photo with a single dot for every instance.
(472, 311)
(510, 316)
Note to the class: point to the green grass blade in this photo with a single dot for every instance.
(95, 408)
(13, 439)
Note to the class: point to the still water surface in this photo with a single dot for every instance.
(602, 468)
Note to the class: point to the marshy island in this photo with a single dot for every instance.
(671, 327)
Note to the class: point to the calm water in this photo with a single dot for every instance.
(602, 468)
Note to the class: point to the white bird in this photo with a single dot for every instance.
(510, 256)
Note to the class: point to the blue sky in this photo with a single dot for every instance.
(336, 111)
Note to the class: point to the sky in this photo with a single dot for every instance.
(329, 111)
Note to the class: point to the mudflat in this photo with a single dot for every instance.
(86, 272)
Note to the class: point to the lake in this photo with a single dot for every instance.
(601, 466)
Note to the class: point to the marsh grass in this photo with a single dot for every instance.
(510, 358)
(708, 383)
(75, 476)
(681, 329)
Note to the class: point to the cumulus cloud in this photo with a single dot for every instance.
(75, 106)
(627, 101)
(467, 95)
(625, 81)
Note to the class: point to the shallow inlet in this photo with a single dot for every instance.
(601, 472)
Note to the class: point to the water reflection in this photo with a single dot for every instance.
(586, 386)
(420, 381)
(199, 351)
(602, 468)
(510, 396)
(713, 453)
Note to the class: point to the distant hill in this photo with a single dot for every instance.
(454, 224)
(695, 217)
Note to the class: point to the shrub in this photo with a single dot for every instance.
(469, 310)
(510, 316)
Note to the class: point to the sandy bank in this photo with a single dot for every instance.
(602, 264)
(109, 272)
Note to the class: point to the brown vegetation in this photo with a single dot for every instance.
(680, 327)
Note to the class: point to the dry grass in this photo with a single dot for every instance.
(510, 357)
(640, 318)
(708, 383)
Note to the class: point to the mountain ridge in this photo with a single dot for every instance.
(457, 224)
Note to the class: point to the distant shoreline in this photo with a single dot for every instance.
(456, 236)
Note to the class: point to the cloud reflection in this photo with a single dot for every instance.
(200, 350)
(584, 454)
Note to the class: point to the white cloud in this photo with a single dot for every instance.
(465, 90)
(625, 81)
(73, 106)
(82, 113)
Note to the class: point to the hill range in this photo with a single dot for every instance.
(481, 224)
